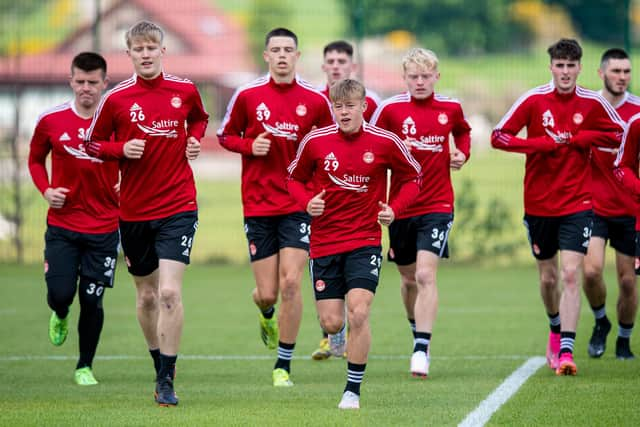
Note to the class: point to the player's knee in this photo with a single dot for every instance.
(60, 292)
(425, 277)
(91, 293)
(331, 323)
(548, 281)
(570, 277)
(628, 286)
(169, 297)
(289, 287)
(358, 316)
(592, 275)
(147, 298)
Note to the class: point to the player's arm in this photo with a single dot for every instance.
(504, 136)
(231, 134)
(462, 140)
(99, 143)
(39, 149)
(626, 164)
(301, 171)
(406, 170)
(197, 121)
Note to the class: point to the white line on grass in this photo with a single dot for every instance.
(500, 395)
(231, 357)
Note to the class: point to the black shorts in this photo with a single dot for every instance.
(69, 254)
(548, 234)
(333, 276)
(638, 253)
(266, 235)
(145, 242)
(619, 230)
(428, 232)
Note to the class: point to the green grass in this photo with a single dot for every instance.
(484, 313)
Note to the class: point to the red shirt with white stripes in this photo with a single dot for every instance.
(372, 98)
(352, 169)
(164, 111)
(91, 205)
(610, 198)
(557, 175)
(428, 123)
(288, 111)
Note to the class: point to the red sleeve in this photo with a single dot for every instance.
(406, 170)
(626, 164)
(234, 124)
(198, 118)
(325, 117)
(38, 151)
(301, 171)
(98, 143)
(462, 133)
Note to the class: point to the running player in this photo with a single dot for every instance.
(265, 122)
(563, 121)
(340, 175)
(158, 120)
(81, 241)
(418, 238)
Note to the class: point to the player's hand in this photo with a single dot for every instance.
(116, 188)
(193, 148)
(408, 142)
(457, 159)
(56, 196)
(315, 207)
(386, 215)
(134, 148)
(261, 145)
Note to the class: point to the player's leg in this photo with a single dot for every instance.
(402, 251)
(61, 261)
(138, 244)
(263, 252)
(362, 272)
(596, 292)
(623, 241)
(573, 239)
(426, 309)
(292, 264)
(173, 244)
(97, 273)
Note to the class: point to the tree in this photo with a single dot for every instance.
(454, 26)
(602, 20)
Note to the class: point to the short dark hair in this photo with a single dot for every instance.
(339, 46)
(89, 61)
(613, 53)
(565, 49)
(280, 32)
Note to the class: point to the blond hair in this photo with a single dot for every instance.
(148, 31)
(421, 57)
(347, 89)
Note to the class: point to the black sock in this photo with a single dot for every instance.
(155, 355)
(355, 373)
(269, 312)
(421, 341)
(285, 353)
(412, 323)
(554, 322)
(167, 366)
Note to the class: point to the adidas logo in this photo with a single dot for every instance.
(185, 252)
(331, 156)
(135, 107)
(305, 239)
(374, 272)
(108, 273)
(585, 244)
(65, 137)
(408, 121)
(261, 107)
(437, 244)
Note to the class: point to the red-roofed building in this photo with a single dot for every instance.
(203, 44)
